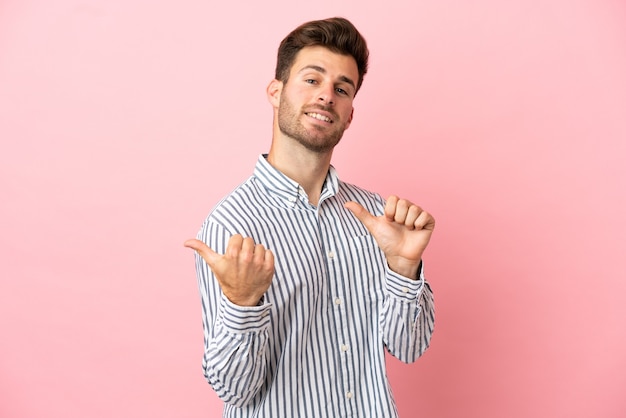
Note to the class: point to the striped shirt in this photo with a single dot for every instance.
(315, 345)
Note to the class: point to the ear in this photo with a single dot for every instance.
(274, 89)
(350, 119)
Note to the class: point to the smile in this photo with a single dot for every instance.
(320, 117)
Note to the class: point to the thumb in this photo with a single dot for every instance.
(204, 250)
(361, 214)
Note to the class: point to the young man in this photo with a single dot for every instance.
(305, 280)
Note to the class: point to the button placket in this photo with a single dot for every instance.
(333, 242)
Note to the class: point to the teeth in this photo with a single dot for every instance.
(320, 117)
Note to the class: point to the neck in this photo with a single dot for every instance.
(307, 168)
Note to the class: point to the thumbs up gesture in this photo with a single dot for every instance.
(402, 233)
(245, 270)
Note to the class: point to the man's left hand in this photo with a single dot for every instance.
(403, 233)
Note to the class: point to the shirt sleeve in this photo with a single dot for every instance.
(235, 337)
(408, 316)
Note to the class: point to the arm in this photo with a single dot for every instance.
(235, 328)
(408, 316)
(403, 232)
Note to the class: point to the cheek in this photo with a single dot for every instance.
(300, 93)
(348, 117)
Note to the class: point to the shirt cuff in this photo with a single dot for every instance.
(404, 288)
(244, 319)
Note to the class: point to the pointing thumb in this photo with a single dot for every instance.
(204, 250)
(362, 214)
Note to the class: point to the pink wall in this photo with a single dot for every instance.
(123, 122)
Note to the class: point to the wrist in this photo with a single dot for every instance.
(407, 268)
(245, 301)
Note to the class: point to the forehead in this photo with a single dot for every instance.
(336, 65)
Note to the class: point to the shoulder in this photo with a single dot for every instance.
(368, 199)
(353, 191)
(239, 201)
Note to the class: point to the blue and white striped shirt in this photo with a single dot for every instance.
(316, 345)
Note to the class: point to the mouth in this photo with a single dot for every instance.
(319, 116)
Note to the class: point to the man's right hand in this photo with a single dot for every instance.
(245, 270)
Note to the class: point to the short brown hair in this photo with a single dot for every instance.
(337, 34)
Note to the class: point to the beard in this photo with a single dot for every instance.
(317, 138)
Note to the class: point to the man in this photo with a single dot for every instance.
(305, 280)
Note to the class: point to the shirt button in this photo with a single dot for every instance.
(337, 301)
(331, 255)
(405, 290)
(292, 199)
(344, 348)
(349, 395)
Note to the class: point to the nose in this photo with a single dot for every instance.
(327, 95)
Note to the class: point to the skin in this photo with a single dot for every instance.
(312, 109)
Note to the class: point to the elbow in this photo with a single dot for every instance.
(238, 392)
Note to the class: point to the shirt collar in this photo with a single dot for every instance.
(287, 189)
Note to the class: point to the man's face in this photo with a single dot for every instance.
(316, 102)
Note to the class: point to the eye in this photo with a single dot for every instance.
(310, 81)
(341, 91)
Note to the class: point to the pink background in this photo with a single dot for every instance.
(123, 122)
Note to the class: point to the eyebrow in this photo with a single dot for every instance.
(323, 71)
